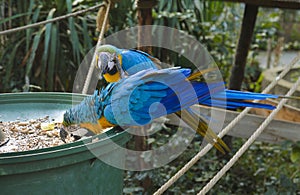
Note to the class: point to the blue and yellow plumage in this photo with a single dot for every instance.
(149, 94)
(141, 94)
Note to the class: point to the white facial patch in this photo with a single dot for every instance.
(111, 65)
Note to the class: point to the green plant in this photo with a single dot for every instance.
(214, 23)
(264, 169)
(46, 56)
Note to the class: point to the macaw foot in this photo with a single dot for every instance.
(63, 134)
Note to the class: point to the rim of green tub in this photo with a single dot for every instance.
(67, 152)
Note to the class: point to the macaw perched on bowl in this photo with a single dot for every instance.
(149, 94)
(115, 64)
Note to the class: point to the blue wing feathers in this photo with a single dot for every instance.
(134, 61)
(170, 88)
(139, 98)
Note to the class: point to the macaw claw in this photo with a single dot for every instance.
(63, 134)
(76, 137)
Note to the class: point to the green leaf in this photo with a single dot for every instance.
(31, 5)
(52, 56)
(10, 63)
(150, 140)
(198, 5)
(74, 36)
(29, 30)
(295, 154)
(4, 20)
(270, 191)
(36, 42)
(86, 38)
(147, 156)
(36, 14)
(61, 6)
(46, 47)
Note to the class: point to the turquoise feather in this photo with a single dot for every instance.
(134, 61)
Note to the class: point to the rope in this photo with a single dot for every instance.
(202, 152)
(93, 64)
(266, 90)
(50, 20)
(248, 143)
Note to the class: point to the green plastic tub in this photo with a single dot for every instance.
(66, 169)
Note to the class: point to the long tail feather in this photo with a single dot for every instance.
(201, 127)
(217, 96)
(289, 97)
(196, 75)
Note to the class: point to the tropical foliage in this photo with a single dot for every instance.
(263, 169)
(44, 57)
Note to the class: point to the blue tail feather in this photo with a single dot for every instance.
(231, 104)
(241, 95)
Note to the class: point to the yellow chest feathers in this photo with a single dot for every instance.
(115, 77)
(98, 127)
(112, 78)
(105, 123)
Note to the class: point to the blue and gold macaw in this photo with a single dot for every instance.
(149, 94)
(115, 64)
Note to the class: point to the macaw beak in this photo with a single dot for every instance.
(102, 60)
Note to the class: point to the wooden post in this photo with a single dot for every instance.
(238, 69)
(144, 12)
(144, 9)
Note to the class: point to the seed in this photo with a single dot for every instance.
(23, 123)
(31, 131)
(14, 129)
(50, 134)
(33, 134)
(24, 131)
(31, 121)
